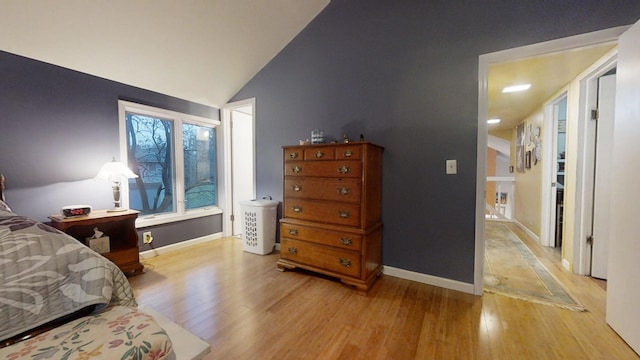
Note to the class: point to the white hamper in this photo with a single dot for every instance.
(258, 225)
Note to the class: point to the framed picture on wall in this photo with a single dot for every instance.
(527, 159)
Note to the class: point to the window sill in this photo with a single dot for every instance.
(153, 220)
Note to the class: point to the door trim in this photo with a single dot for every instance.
(226, 194)
(585, 182)
(568, 43)
(549, 151)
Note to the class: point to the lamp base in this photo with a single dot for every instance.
(117, 209)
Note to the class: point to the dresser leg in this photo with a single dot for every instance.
(282, 267)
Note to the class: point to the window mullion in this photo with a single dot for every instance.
(179, 157)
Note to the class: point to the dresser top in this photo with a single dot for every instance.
(335, 144)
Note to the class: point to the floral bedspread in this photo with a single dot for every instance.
(46, 274)
(117, 333)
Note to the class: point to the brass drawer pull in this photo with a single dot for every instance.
(296, 187)
(346, 241)
(345, 262)
(293, 232)
(344, 169)
(292, 250)
(318, 154)
(296, 209)
(343, 214)
(293, 155)
(296, 169)
(344, 191)
(348, 153)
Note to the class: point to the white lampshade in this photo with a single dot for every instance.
(114, 171)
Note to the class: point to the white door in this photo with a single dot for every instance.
(239, 161)
(623, 286)
(602, 176)
(242, 163)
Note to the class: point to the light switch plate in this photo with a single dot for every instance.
(452, 167)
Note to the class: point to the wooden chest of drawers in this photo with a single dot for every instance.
(331, 213)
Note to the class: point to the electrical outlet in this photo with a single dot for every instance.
(146, 237)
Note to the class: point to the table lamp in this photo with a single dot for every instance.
(115, 171)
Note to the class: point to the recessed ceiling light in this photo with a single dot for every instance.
(516, 88)
(493, 121)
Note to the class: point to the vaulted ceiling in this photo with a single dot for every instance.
(202, 51)
(205, 51)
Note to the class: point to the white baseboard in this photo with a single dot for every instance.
(183, 244)
(526, 229)
(429, 279)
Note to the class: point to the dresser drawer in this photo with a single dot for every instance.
(333, 189)
(335, 169)
(349, 153)
(321, 236)
(293, 154)
(322, 211)
(333, 259)
(320, 153)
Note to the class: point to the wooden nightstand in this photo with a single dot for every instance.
(119, 226)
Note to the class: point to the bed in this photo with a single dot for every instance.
(61, 300)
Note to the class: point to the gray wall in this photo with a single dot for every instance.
(58, 126)
(405, 74)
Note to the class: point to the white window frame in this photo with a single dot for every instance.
(178, 119)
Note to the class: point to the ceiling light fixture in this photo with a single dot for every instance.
(493, 121)
(516, 88)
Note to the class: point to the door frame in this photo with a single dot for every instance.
(484, 61)
(227, 225)
(586, 145)
(550, 151)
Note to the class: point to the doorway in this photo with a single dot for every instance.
(239, 124)
(555, 123)
(555, 46)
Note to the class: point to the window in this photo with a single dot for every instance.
(173, 182)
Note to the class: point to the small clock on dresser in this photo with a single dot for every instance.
(75, 210)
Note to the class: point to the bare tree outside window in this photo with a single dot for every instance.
(199, 165)
(150, 156)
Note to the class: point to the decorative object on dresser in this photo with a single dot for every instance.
(118, 226)
(332, 220)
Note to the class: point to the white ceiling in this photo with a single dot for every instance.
(547, 75)
(205, 51)
(202, 51)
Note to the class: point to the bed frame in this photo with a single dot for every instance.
(2, 187)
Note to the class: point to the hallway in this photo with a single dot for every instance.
(593, 290)
(512, 270)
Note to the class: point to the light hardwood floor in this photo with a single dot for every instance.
(240, 304)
